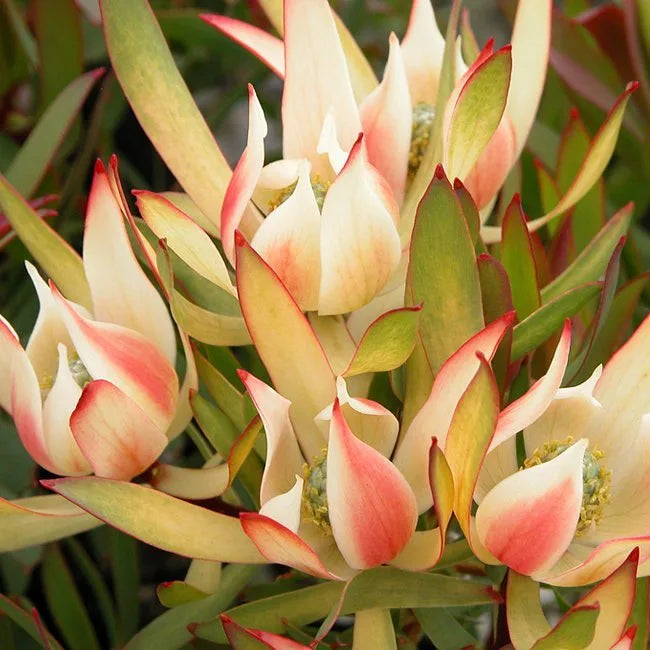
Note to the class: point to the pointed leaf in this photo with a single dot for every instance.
(58, 259)
(387, 343)
(35, 155)
(153, 518)
(162, 103)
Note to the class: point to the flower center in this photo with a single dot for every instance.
(318, 186)
(78, 371)
(314, 493)
(596, 480)
(423, 114)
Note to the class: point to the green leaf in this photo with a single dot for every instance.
(539, 326)
(526, 620)
(574, 632)
(125, 570)
(387, 343)
(37, 520)
(58, 259)
(443, 276)
(26, 622)
(153, 517)
(373, 628)
(595, 161)
(591, 264)
(382, 587)
(477, 113)
(581, 367)
(616, 326)
(225, 395)
(497, 300)
(65, 603)
(202, 324)
(163, 104)
(588, 215)
(57, 24)
(93, 577)
(177, 592)
(170, 629)
(443, 629)
(34, 157)
(518, 260)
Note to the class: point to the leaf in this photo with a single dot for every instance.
(595, 160)
(574, 632)
(443, 276)
(542, 323)
(65, 603)
(125, 570)
(477, 113)
(518, 260)
(588, 215)
(224, 394)
(153, 517)
(382, 587)
(202, 324)
(443, 629)
(639, 614)
(93, 578)
(582, 365)
(163, 104)
(300, 372)
(28, 623)
(37, 520)
(590, 265)
(526, 620)
(373, 628)
(57, 258)
(387, 343)
(170, 629)
(35, 155)
(57, 24)
(177, 592)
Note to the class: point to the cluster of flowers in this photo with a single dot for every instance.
(331, 250)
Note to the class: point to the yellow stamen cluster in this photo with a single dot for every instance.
(78, 371)
(596, 480)
(423, 114)
(314, 493)
(318, 186)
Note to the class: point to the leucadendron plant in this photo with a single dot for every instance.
(395, 375)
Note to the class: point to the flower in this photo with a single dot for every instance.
(96, 392)
(579, 501)
(396, 115)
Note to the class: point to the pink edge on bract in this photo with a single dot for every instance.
(114, 434)
(372, 509)
(244, 177)
(529, 407)
(21, 397)
(237, 633)
(435, 416)
(283, 457)
(281, 546)
(386, 116)
(626, 641)
(316, 81)
(126, 359)
(120, 290)
(359, 242)
(529, 519)
(267, 48)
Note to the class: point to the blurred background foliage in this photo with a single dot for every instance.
(55, 119)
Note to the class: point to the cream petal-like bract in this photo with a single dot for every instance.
(529, 519)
